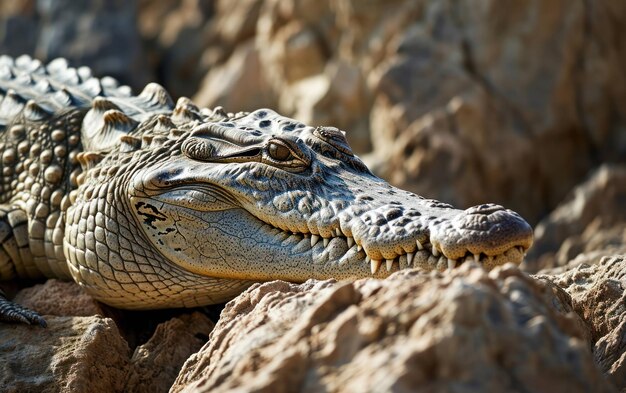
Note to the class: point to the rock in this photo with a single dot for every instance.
(112, 47)
(73, 354)
(298, 43)
(230, 85)
(165, 344)
(591, 220)
(598, 293)
(335, 97)
(155, 364)
(60, 298)
(447, 141)
(18, 27)
(100, 35)
(174, 35)
(610, 355)
(465, 331)
(531, 120)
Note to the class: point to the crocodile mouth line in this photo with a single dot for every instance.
(425, 255)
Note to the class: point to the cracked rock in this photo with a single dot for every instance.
(61, 298)
(598, 293)
(73, 354)
(588, 224)
(465, 331)
(155, 364)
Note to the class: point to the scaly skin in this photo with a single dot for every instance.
(148, 205)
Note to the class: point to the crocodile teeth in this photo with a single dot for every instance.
(375, 265)
(435, 251)
(409, 258)
(338, 232)
(476, 258)
(359, 247)
(326, 241)
(350, 242)
(451, 263)
(470, 259)
(419, 245)
(389, 263)
(367, 259)
(314, 239)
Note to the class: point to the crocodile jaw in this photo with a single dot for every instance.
(234, 244)
(206, 231)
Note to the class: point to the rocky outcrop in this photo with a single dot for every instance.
(174, 34)
(588, 224)
(60, 298)
(461, 103)
(465, 331)
(83, 351)
(492, 109)
(73, 354)
(155, 364)
(100, 35)
(598, 293)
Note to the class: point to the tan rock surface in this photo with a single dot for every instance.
(83, 352)
(102, 36)
(517, 88)
(73, 354)
(155, 364)
(466, 331)
(598, 294)
(591, 220)
(239, 83)
(60, 298)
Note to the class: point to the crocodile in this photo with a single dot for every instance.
(147, 203)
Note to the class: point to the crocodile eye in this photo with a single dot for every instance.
(279, 152)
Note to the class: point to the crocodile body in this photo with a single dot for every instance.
(147, 204)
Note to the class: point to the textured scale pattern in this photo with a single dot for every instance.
(123, 268)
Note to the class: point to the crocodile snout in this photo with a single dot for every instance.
(488, 230)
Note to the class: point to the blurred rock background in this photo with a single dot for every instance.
(522, 103)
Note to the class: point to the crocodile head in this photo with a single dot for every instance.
(265, 197)
(261, 197)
